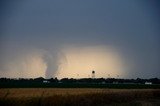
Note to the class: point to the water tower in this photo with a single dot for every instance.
(93, 74)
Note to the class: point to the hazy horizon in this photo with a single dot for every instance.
(72, 38)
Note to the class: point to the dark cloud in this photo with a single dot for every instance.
(130, 26)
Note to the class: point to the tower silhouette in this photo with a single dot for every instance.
(93, 74)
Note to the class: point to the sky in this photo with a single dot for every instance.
(70, 38)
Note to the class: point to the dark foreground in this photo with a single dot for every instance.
(79, 97)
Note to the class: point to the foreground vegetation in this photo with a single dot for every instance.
(80, 83)
(77, 85)
(78, 97)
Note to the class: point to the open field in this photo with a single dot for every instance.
(78, 97)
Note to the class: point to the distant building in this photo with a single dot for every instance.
(148, 83)
(115, 82)
(45, 81)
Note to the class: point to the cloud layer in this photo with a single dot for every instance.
(33, 36)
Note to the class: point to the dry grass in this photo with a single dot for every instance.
(78, 97)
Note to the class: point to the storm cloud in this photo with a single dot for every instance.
(34, 34)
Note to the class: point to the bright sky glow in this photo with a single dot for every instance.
(79, 62)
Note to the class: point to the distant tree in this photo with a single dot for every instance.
(39, 79)
(53, 80)
(155, 80)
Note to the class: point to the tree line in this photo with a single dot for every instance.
(81, 80)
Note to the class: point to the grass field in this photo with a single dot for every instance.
(78, 97)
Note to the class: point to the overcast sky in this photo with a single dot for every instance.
(69, 38)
